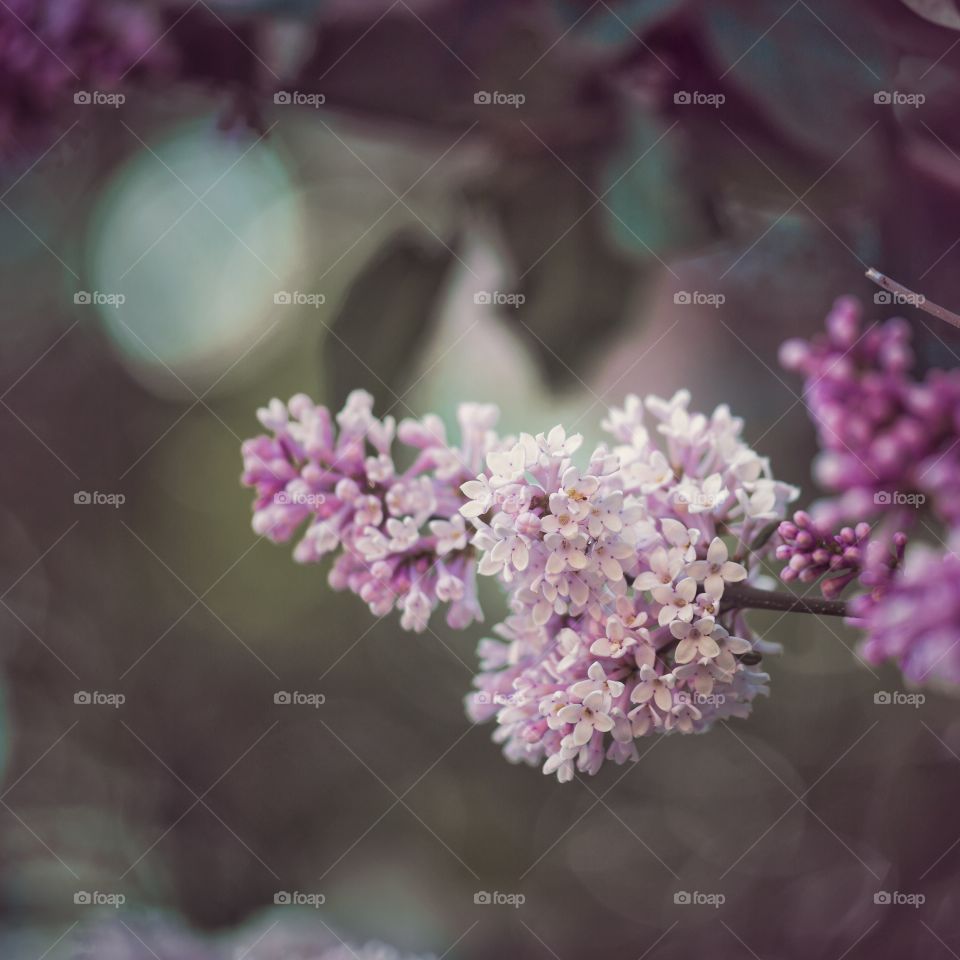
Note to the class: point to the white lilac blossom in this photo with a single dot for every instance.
(615, 566)
(616, 575)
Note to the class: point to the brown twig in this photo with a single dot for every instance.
(738, 596)
(917, 300)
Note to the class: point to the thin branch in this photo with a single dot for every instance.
(916, 299)
(738, 596)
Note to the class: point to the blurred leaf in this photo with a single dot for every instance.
(942, 12)
(614, 22)
(814, 73)
(385, 319)
(576, 286)
(653, 202)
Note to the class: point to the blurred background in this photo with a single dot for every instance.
(545, 205)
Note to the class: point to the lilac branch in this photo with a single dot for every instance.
(738, 596)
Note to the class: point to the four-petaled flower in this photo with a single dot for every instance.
(587, 716)
(655, 687)
(677, 601)
(696, 639)
(716, 570)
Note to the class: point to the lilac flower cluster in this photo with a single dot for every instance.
(402, 542)
(615, 573)
(51, 50)
(917, 620)
(616, 576)
(890, 446)
(888, 440)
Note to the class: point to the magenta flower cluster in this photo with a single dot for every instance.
(891, 456)
(615, 571)
(888, 440)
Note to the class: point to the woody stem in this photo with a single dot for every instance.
(738, 596)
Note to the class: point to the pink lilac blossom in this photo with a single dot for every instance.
(615, 577)
(401, 542)
(887, 438)
(890, 450)
(916, 619)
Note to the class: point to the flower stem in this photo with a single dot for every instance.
(738, 596)
(917, 299)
